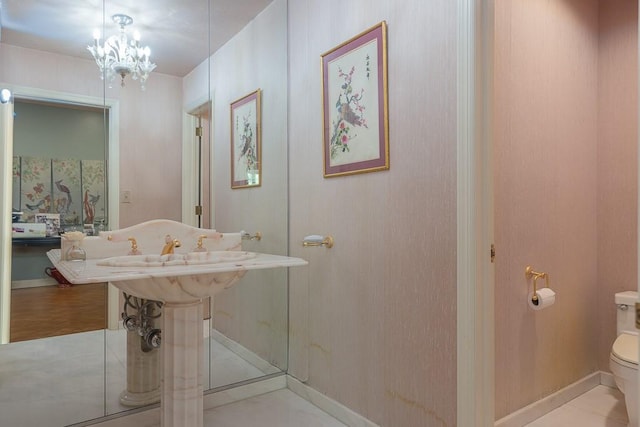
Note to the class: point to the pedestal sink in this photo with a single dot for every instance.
(181, 288)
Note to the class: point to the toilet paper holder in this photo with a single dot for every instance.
(529, 273)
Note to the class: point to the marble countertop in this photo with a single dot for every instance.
(88, 271)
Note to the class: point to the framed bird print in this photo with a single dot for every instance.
(354, 105)
(246, 148)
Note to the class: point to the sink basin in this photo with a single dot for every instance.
(180, 289)
(174, 278)
(191, 258)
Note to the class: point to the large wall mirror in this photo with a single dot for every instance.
(209, 53)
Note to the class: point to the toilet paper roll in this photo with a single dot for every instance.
(546, 298)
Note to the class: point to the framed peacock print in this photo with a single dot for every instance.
(355, 106)
(246, 148)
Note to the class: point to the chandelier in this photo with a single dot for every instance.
(121, 57)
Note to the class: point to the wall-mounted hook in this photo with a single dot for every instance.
(247, 236)
(317, 240)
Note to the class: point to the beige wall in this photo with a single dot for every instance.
(151, 149)
(565, 192)
(373, 320)
(150, 125)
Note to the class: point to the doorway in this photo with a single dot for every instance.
(110, 138)
(197, 185)
(619, 190)
(59, 183)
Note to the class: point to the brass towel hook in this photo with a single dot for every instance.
(317, 240)
(529, 273)
(247, 236)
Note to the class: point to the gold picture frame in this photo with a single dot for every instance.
(355, 105)
(246, 141)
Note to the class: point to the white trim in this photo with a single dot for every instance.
(189, 171)
(33, 283)
(244, 353)
(190, 159)
(328, 405)
(475, 286)
(607, 379)
(553, 401)
(6, 179)
(235, 394)
(113, 165)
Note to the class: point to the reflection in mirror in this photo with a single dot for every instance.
(57, 379)
(251, 318)
(248, 328)
(208, 54)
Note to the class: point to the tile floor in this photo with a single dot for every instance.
(56, 382)
(281, 408)
(60, 380)
(601, 406)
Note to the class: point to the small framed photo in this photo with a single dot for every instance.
(51, 221)
(355, 106)
(246, 145)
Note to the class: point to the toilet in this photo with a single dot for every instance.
(623, 360)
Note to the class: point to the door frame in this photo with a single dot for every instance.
(190, 159)
(475, 271)
(113, 163)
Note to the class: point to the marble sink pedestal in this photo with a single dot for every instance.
(181, 289)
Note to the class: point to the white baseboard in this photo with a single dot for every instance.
(249, 356)
(606, 379)
(328, 405)
(33, 283)
(545, 405)
(235, 394)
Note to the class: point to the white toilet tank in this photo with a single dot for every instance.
(626, 313)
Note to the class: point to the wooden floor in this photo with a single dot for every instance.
(50, 311)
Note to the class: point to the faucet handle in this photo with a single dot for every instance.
(134, 246)
(199, 246)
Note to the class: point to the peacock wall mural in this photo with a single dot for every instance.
(74, 189)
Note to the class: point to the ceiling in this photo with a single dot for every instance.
(175, 30)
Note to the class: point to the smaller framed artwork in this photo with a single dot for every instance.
(355, 106)
(246, 145)
(51, 221)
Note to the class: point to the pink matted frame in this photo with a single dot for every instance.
(246, 141)
(355, 105)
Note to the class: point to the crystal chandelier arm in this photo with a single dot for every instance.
(119, 56)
